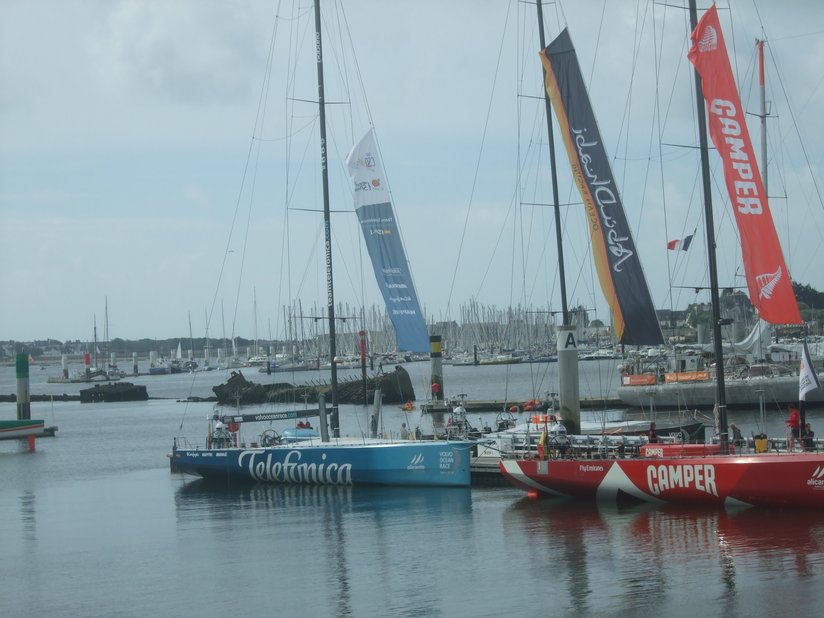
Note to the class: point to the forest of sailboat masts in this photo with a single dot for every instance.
(483, 328)
(301, 333)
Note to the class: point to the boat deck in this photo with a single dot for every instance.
(501, 405)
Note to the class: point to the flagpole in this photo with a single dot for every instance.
(807, 381)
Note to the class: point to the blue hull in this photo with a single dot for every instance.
(428, 464)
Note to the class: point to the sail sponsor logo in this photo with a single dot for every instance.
(366, 185)
(367, 161)
(605, 198)
(396, 286)
(747, 198)
(447, 460)
(700, 477)
(400, 299)
(816, 480)
(708, 41)
(260, 467)
(590, 468)
(767, 283)
(416, 463)
(404, 312)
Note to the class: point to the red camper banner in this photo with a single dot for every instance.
(616, 259)
(768, 280)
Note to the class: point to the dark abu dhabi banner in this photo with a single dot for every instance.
(380, 231)
(616, 260)
(768, 280)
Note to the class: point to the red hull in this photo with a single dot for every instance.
(770, 479)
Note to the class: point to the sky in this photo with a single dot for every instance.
(159, 161)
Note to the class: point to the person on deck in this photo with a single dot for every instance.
(807, 437)
(404, 432)
(794, 422)
(373, 427)
(737, 438)
(651, 435)
(301, 425)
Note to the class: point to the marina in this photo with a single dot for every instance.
(552, 410)
(101, 489)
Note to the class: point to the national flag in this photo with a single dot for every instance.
(807, 378)
(683, 244)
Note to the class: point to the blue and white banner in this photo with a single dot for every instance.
(380, 231)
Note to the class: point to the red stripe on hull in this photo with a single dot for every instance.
(787, 479)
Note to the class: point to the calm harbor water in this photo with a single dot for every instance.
(94, 524)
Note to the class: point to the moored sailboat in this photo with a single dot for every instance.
(332, 459)
(720, 473)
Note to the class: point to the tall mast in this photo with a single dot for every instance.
(106, 328)
(569, 398)
(254, 306)
(327, 231)
(191, 338)
(763, 116)
(720, 393)
(95, 341)
(555, 202)
(223, 325)
(206, 345)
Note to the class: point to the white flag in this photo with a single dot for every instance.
(807, 378)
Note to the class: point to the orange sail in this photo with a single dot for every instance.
(768, 279)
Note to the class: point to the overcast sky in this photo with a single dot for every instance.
(145, 158)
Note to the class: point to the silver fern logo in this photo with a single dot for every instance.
(709, 40)
(767, 283)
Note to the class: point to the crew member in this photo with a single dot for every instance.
(653, 437)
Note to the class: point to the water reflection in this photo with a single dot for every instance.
(633, 555)
(199, 494)
(28, 515)
(360, 541)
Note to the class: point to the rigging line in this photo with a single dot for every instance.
(478, 163)
(291, 64)
(358, 71)
(369, 117)
(347, 212)
(798, 131)
(794, 122)
(539, 119)
(309, 124)
(256, 127)
(657, 105)
(510, 212)
(226, 250)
